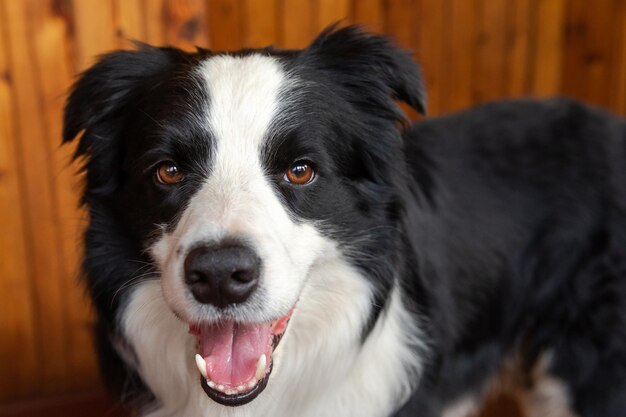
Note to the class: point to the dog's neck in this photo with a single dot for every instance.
(322, 366)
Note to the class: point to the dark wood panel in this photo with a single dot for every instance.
(85, 405)
(18, 325)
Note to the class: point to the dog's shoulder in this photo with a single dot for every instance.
(532, 142)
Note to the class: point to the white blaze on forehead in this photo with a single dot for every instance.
(238, 199)
(243, 101)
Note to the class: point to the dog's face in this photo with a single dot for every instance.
(241, 174)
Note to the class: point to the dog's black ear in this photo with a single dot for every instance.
(100, 103)
(104, 91)
(365, 61)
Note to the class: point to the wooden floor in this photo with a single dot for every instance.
(89, 405)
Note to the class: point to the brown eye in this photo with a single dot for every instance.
(300, 173)
(168, 173)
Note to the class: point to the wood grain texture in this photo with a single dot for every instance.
(330, 12)
(154, 21)
(18, 323)
(369, 13)
(261, 23)
(489, 73)
(470, 50)
(618, 83)
(130, 22)
(548, 47)
(458, 91)
(432, 30)
(226, 24)
(590, 41)
(51, 55)
(42, 229)
(517, 47)
(297, 23)
(187, 24)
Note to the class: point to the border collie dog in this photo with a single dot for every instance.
(268, 236)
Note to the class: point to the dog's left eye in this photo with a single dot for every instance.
(300, 173)
(168, 173)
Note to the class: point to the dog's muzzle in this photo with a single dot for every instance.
(234, 358)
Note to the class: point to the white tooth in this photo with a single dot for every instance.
(252, 383)
(210, 383)
(201, 363)
(220, 388)
(240, 388)
(260, 367)
(230, 392)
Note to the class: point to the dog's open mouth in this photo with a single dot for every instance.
(235, 359)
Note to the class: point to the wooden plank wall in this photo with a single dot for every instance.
(471, 50)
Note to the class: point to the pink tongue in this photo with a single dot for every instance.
(231, 350)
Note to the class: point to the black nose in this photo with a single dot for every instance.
(222, 275)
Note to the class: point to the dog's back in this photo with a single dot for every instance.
(520, 231)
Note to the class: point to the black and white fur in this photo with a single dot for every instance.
(421, 257)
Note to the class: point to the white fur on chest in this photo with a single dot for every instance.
(321, 368)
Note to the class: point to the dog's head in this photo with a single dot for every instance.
(245, 176)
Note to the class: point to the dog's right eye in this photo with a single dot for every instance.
(168, 173)
(300, 173)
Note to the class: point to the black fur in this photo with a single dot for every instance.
(521, 247)
(505, 224)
